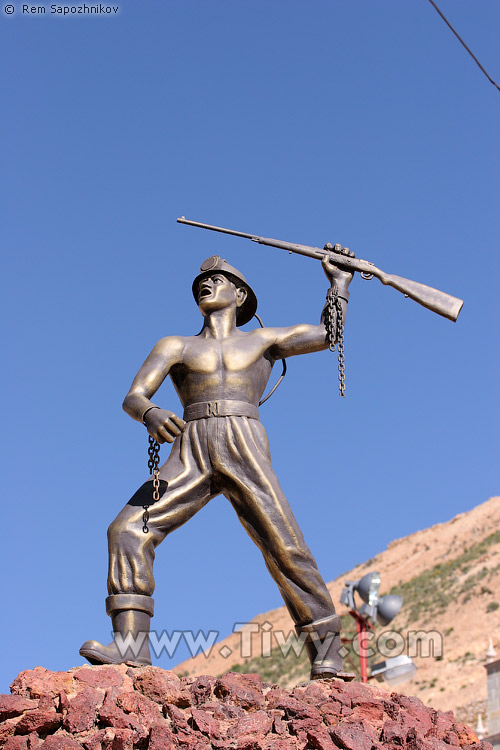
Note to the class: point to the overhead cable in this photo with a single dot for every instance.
(490, 79)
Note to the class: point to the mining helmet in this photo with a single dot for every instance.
(215, 264)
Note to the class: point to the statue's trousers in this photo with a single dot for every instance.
(230, 456)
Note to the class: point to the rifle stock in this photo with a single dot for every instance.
(435, 300)
(439, 302)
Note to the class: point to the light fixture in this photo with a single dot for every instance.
(367, 588)
(388, 607)
(382, 610)
(395, 670)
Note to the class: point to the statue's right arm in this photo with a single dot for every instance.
(161, 424)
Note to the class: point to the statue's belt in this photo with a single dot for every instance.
(220, 408)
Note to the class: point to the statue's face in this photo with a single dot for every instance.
(216, 292)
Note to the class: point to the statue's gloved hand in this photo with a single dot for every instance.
(163, 425)
(333, 273)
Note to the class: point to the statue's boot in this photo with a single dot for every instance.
(323, 645)
(131, 617)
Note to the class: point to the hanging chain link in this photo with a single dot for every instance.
(153, 464)
(334, 324)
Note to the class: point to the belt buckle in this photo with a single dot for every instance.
(213, 408)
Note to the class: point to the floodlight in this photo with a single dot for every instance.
(367, 587)
(387, 608)
(395, 670)
(382, 610)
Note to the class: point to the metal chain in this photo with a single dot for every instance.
(153, 464)
(334, 324)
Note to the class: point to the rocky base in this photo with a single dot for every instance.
(124, 708)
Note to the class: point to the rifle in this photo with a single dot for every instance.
(439, 302)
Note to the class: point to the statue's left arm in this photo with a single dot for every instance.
(304, 338)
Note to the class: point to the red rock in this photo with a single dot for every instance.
(451, 738)
(243, 690)
(350, 737)
(205, 722)
(14, 705)
(7, 729)
(372, 732)
(16, 743)
(250, 742)
(357, 691)
(279, 726)
(81, 712)
(319, 739)
(103, 677)
(123, 739)
(295, 708)
(391, 709)
(34, 741)
(442, 721)
(315, 692)
(201, 689)
(415, 713)
(113, 716)
(339, 693)
(371, 711)
(100, 740)
(218, 743)
(61, 741)
(64, 702)
(189, 739)
(148, 707)
(346, 711)
(257, 722)
(226, 712)
(414, 741)
(178, 717)
(161, 686)
(161, 738)
(37, 682)
(275, 694)
(394, 732)
(40, 722)
(330, 719)
(147, 711)
(280, 743)
(465, 734)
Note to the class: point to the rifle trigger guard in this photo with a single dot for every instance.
(366, 276)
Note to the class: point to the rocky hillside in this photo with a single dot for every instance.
(148, 708)
(449, 577)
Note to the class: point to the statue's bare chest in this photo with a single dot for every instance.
(209, 356)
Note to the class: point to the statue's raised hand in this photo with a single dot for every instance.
(341, 276)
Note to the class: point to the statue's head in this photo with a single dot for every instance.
(246, 301)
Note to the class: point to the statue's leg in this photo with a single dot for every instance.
(254, 491)
(185, 487)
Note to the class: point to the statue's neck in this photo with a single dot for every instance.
(220, 324)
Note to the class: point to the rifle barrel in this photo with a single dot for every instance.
(183, 220)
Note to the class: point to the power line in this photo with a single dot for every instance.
(490, 79)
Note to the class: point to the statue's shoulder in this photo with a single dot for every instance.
(172, 344)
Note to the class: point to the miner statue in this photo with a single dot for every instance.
(220, 447)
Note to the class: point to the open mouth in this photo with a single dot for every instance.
(205, 291)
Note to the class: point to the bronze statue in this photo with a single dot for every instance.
(220, 447)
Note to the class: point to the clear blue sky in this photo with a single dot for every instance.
(358, 122)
